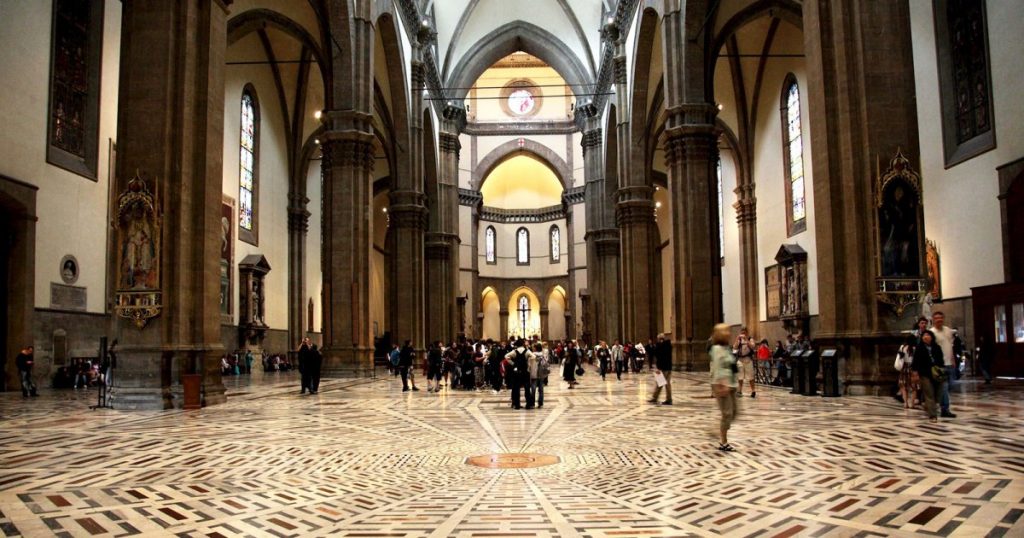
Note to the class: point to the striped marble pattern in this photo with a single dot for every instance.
(364, 459)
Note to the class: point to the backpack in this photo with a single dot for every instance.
(543, 368)
(394, 357)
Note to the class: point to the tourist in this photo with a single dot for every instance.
(663, 366)
(603, 357)
(248, 361)
(394, 357)
(314, 362)
(304, 370)
(617, 359)
(569, 365)
(985, 354)
(517, 373)
(907, 390)
(744, 350)
(540, 368)
(640, 351)
(435, 361)
(781, 372)
(25, 361)
(723, 383)
(930, 368)
(405, 366)
(944, 338)
(81, 368)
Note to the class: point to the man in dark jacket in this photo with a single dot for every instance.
(663, 365)
(25, 361)
(314, 361)
(518, 374)
(304, 365)
(405, 359)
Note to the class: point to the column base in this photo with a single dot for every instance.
(352, 362)
(690, 357)
(142, 399)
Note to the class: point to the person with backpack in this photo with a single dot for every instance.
(517, 373)
(540, 368)
(394, 357)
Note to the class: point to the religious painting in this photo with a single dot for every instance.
(773, 292)
(931, 258)
(137, 222)
(227, 245)
(899, 217)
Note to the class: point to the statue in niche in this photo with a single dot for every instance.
(138, 270)
(898, 226)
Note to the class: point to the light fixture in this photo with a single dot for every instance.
(611, 20)
(657, 205)
(316, 141)
(317, 114)
(425, 23)
(385, 210)
(720, 107)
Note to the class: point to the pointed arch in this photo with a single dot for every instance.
(512, 37)
(522, 146)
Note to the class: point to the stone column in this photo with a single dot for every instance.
(746, 220)
(691, 155)
(443, 241)
(862, 108)
(544, 331)
(298, 227)
(601, 235)
(171, 132)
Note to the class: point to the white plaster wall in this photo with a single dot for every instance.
(72, 210)
(314, 273)
(732, 304)
(540, 253)
(768, 171)
(960, 204)
(273, 176)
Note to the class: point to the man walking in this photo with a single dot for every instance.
(602, 357)
(25, 362)
(314, 360)
(944, 337)
(304, 366)
(617, 359)
(663, 365)
(405, 358)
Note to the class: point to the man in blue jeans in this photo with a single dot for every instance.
(25, 362)
(944, 338)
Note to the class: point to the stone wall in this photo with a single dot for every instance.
(60, 336)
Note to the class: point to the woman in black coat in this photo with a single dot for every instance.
(928, 354)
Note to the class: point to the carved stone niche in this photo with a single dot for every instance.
(252, 326)
(794, 304)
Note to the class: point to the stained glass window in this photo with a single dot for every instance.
(794, 157)
(556, 244)
(73, 128)
(247, 164)
(523, 247)
(489, 245)
(721, 213)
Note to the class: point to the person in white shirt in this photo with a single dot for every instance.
(944, 338)
(617, 359)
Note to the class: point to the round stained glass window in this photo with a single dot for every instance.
(521, 102)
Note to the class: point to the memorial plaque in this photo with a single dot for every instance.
(64, 297)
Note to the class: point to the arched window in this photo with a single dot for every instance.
(248, 167)
(556, 244)
(489, 250)
(524, 314)
(721, 212)
(793, 157)
(522, 247)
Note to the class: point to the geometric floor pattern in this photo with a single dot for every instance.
(363, 459)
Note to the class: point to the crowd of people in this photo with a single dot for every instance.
(928, 363)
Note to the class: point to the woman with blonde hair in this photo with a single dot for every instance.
(723, 382)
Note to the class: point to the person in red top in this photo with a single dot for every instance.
(763, 351)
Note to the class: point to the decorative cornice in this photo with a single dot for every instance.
(298, 219)
(591, 139)
(449, 142)
(470, 197)
(520, 128)
(544, 214)
(347, 152)
(575, 195)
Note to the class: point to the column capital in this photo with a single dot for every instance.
(407, 210)
(619, 65)
(298, 219)
(449, 142)
(454, 117)
(591, 139)
(347, 148)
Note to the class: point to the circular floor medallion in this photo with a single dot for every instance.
(512, 461)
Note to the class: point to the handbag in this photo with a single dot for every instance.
(579, 370)
(899, 361)
(939, 373)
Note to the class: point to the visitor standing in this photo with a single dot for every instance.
(944, 338)
(723, 383)
(539, 371)
(25, 363)
(745, 355)
(405, 359)
(434, 363)
(304, 376)
(518, 373)
(930, 368)
(314, 362)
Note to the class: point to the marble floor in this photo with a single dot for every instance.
(364, 459)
